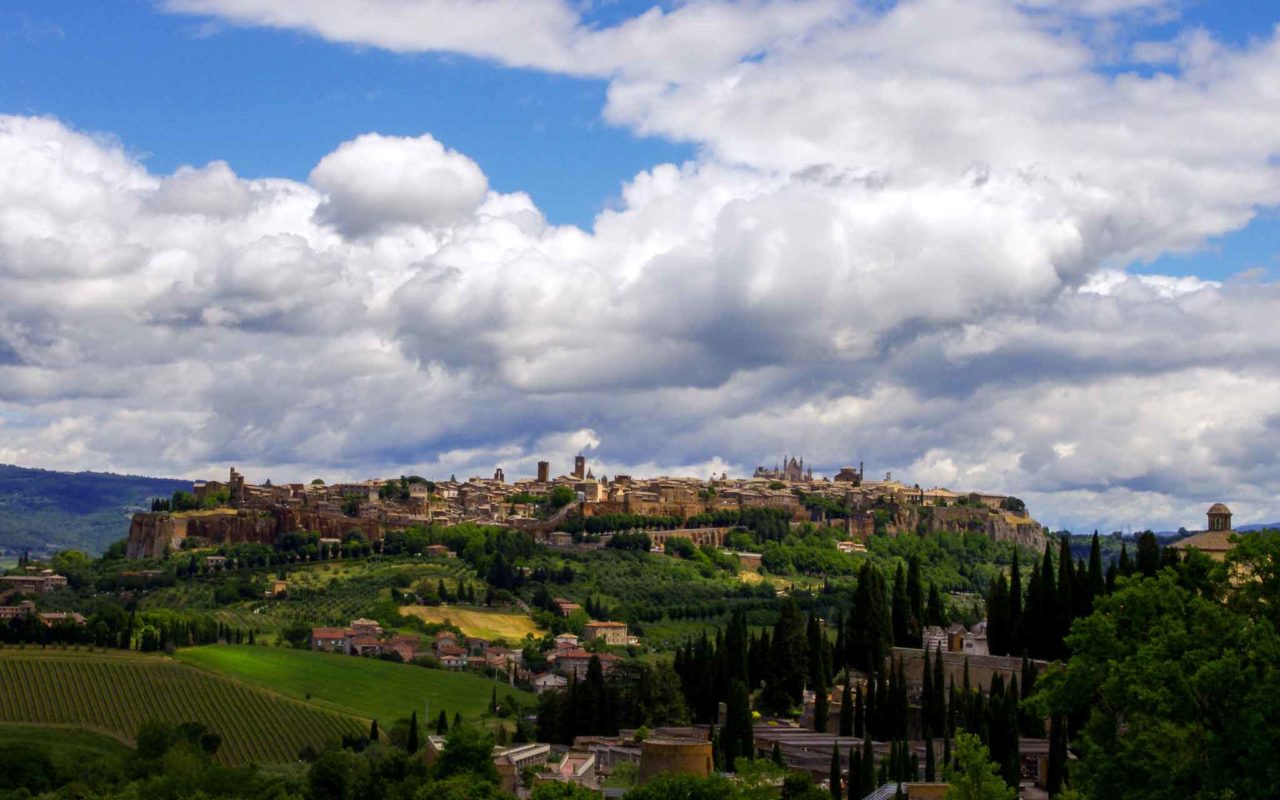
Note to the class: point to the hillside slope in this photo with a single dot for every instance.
(115, 692)
(42, 510)
(363, 687)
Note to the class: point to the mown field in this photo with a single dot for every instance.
(115, 692)
(510, 625)
(363, 687)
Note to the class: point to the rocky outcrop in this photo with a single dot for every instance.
(998, 525)
(151, 534)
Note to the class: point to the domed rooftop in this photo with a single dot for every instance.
(1219, 508)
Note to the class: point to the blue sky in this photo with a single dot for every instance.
(177, 91)
(273, 103)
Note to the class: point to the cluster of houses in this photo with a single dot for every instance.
(37, 584)
(567, 658)
(47, 618)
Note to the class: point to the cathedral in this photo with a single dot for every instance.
(792, 470)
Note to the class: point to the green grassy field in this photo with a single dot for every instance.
(364, 687)
(512, 626)
(73, 752)
(114, 692)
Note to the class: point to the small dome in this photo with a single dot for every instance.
(1219, 508)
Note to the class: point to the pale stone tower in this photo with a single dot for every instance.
(1219, 517)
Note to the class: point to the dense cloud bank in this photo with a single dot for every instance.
(904, 243)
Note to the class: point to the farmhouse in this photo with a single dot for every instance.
(46, 581)
(20, 611)
(329, 640)
(613, 633)
(566, 607)
(576, 662)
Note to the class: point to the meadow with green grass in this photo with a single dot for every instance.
(114, 692)
(363, 687)
(70, 749)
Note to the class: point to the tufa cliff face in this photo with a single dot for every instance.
(150, 534)
(998, 525)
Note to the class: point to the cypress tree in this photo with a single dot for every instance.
(872, 635)
(821, 706)
(842, 647)
(846, 708)
(871, 721)
(915, 592)
(1057, 754)
(835, 772)
(946, 744)
(998, 617)
(1148, 557)
(789, 657)
(935, 614)
(776, 756)
(855, 775)
(868, 767)
(1065, 605)
(930, 767)
(737, 738)
(1016, 643)
(903, 624)
(373, 731)
(412, 744)
(442, 724)
(1126, 566)
(859, 713)
(457, 719)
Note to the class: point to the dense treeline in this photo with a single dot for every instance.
(1172, 684)
(1060, 591)
(634, 694)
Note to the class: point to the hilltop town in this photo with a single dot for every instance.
(546, 505)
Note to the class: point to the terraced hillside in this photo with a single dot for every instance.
(115, 692)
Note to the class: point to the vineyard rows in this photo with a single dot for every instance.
(116, 695)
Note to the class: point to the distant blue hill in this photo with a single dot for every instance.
(42, 510)
(1263, 526)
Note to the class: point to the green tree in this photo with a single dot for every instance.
(555, 790)
(904, 623)
(846, 707)
(467, 752)
(411, 743)
(736, 737)
(1175, 678)
(973, 775)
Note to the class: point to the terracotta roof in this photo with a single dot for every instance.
(605, 625)
(1209, 542)
(1219, 508)
(328, 633)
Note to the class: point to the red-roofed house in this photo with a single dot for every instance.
(330, 640)
(575, 662)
